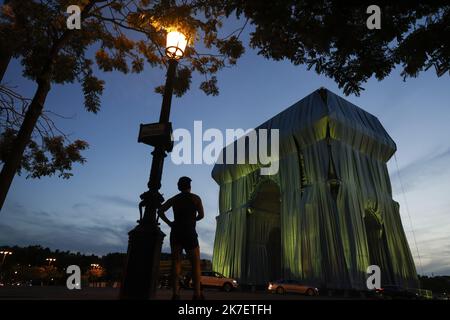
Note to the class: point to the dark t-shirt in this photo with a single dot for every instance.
(185, 207)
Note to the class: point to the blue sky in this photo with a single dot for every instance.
(93, 211)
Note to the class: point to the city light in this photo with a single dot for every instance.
(5, 253)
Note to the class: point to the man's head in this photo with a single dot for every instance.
(184, 184)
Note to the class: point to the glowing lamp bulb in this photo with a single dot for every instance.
(176, 45)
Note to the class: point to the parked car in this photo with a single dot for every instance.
(294, 286)
(441, 296)
(397, 292)
(211, 279)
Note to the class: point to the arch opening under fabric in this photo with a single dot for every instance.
(377, 245)
(263, 241)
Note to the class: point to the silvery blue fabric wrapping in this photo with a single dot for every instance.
(335, 215)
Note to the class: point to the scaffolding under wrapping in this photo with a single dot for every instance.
(326, 215)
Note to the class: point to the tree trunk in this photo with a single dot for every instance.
(33, 113)
(5, 57)
(23, 138)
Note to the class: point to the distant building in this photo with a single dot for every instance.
(326, 215)
(165, 266)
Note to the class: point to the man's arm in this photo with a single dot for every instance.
(141, 205)
(161, 212)
(201, 213)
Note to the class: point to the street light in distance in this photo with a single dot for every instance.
(5, 253)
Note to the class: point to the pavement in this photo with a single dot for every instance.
(62, 293)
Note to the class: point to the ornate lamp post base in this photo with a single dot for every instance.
(144, 251)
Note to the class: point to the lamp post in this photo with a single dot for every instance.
(145, 240)
(50, 260)
(4, 253)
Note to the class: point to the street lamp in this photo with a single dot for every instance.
(175, 45)
(50, 260)
(145, 240)
(5, 253)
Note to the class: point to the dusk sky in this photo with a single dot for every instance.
(93, 211)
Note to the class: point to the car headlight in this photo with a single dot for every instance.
(234, 281)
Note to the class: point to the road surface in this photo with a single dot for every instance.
(62, 293)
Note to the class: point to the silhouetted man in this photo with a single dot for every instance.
(187, 210)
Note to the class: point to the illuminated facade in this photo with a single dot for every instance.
(326, 215)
